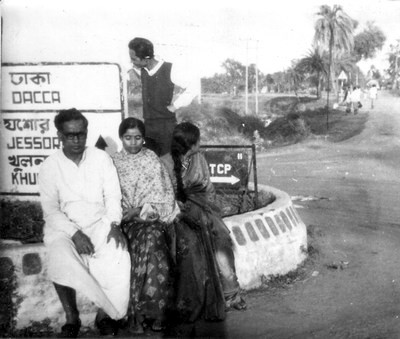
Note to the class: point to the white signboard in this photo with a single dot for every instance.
(32, 94)
(342, 76)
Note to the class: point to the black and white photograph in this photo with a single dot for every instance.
(200, 169)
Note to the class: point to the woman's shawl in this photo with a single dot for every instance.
(145, 180)
(196, 179)
(196, 176)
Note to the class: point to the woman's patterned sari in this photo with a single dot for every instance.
(145, 181)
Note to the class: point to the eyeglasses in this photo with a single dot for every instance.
(72, 136)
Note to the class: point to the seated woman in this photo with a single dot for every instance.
(149, 208)
(206, 280)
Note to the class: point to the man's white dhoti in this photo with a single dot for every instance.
(103, 277)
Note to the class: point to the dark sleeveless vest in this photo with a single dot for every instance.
(157, 93)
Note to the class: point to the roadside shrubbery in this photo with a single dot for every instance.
(218, 126)
(294, 119)
(21, 220)
(223, 125)
(289, 129)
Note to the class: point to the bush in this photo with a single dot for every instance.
(242, 202)
(288, 129)
(218, 126)
(21, 220)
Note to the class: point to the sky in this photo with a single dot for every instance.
(199, 35)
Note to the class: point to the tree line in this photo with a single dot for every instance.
(335, 48)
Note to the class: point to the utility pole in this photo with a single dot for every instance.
(396, 52)
(247, 78)
(256, 77)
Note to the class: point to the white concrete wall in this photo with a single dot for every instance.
(35, 295)
(275, 240)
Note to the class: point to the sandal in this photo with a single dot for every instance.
(241, 305)
(137, 329)
(238, 304)
(157, 326)
(107, 326)
(70, 330)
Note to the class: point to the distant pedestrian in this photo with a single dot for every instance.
(356, 99)
(347, 98)
(373, 94)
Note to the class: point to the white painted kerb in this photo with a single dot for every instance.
(269, 241)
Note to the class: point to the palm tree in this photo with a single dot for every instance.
(314, 64)
(394, 64)
(334, 31)
(294, 78)
(348, 63)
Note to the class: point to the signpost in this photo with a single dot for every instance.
(230, 166)
(32, 94)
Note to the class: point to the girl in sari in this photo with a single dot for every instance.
(206, 281)
(149, 208)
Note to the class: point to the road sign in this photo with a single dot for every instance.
(342, 76)
(229, 168)
(32, 94)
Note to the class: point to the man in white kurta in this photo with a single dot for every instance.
(81, 201)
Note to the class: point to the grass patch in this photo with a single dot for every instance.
(342, 126)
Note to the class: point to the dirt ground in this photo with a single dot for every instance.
(348, 194)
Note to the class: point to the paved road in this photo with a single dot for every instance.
(348, 194)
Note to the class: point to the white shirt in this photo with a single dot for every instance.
(356, 95)
(74, 197)
(373, 92)
(191, 87)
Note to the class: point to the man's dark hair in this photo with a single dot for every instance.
(143, 48)
(66, 115)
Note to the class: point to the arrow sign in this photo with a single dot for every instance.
(226, 180)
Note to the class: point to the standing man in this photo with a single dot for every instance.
(373, 94)
(356, 99)
(159, 102)
(81, 202)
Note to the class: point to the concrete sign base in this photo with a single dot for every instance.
(269, 241)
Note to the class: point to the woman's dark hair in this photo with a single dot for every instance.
(66, 115)
(129, 123)
(185, 135)
(143, 48)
